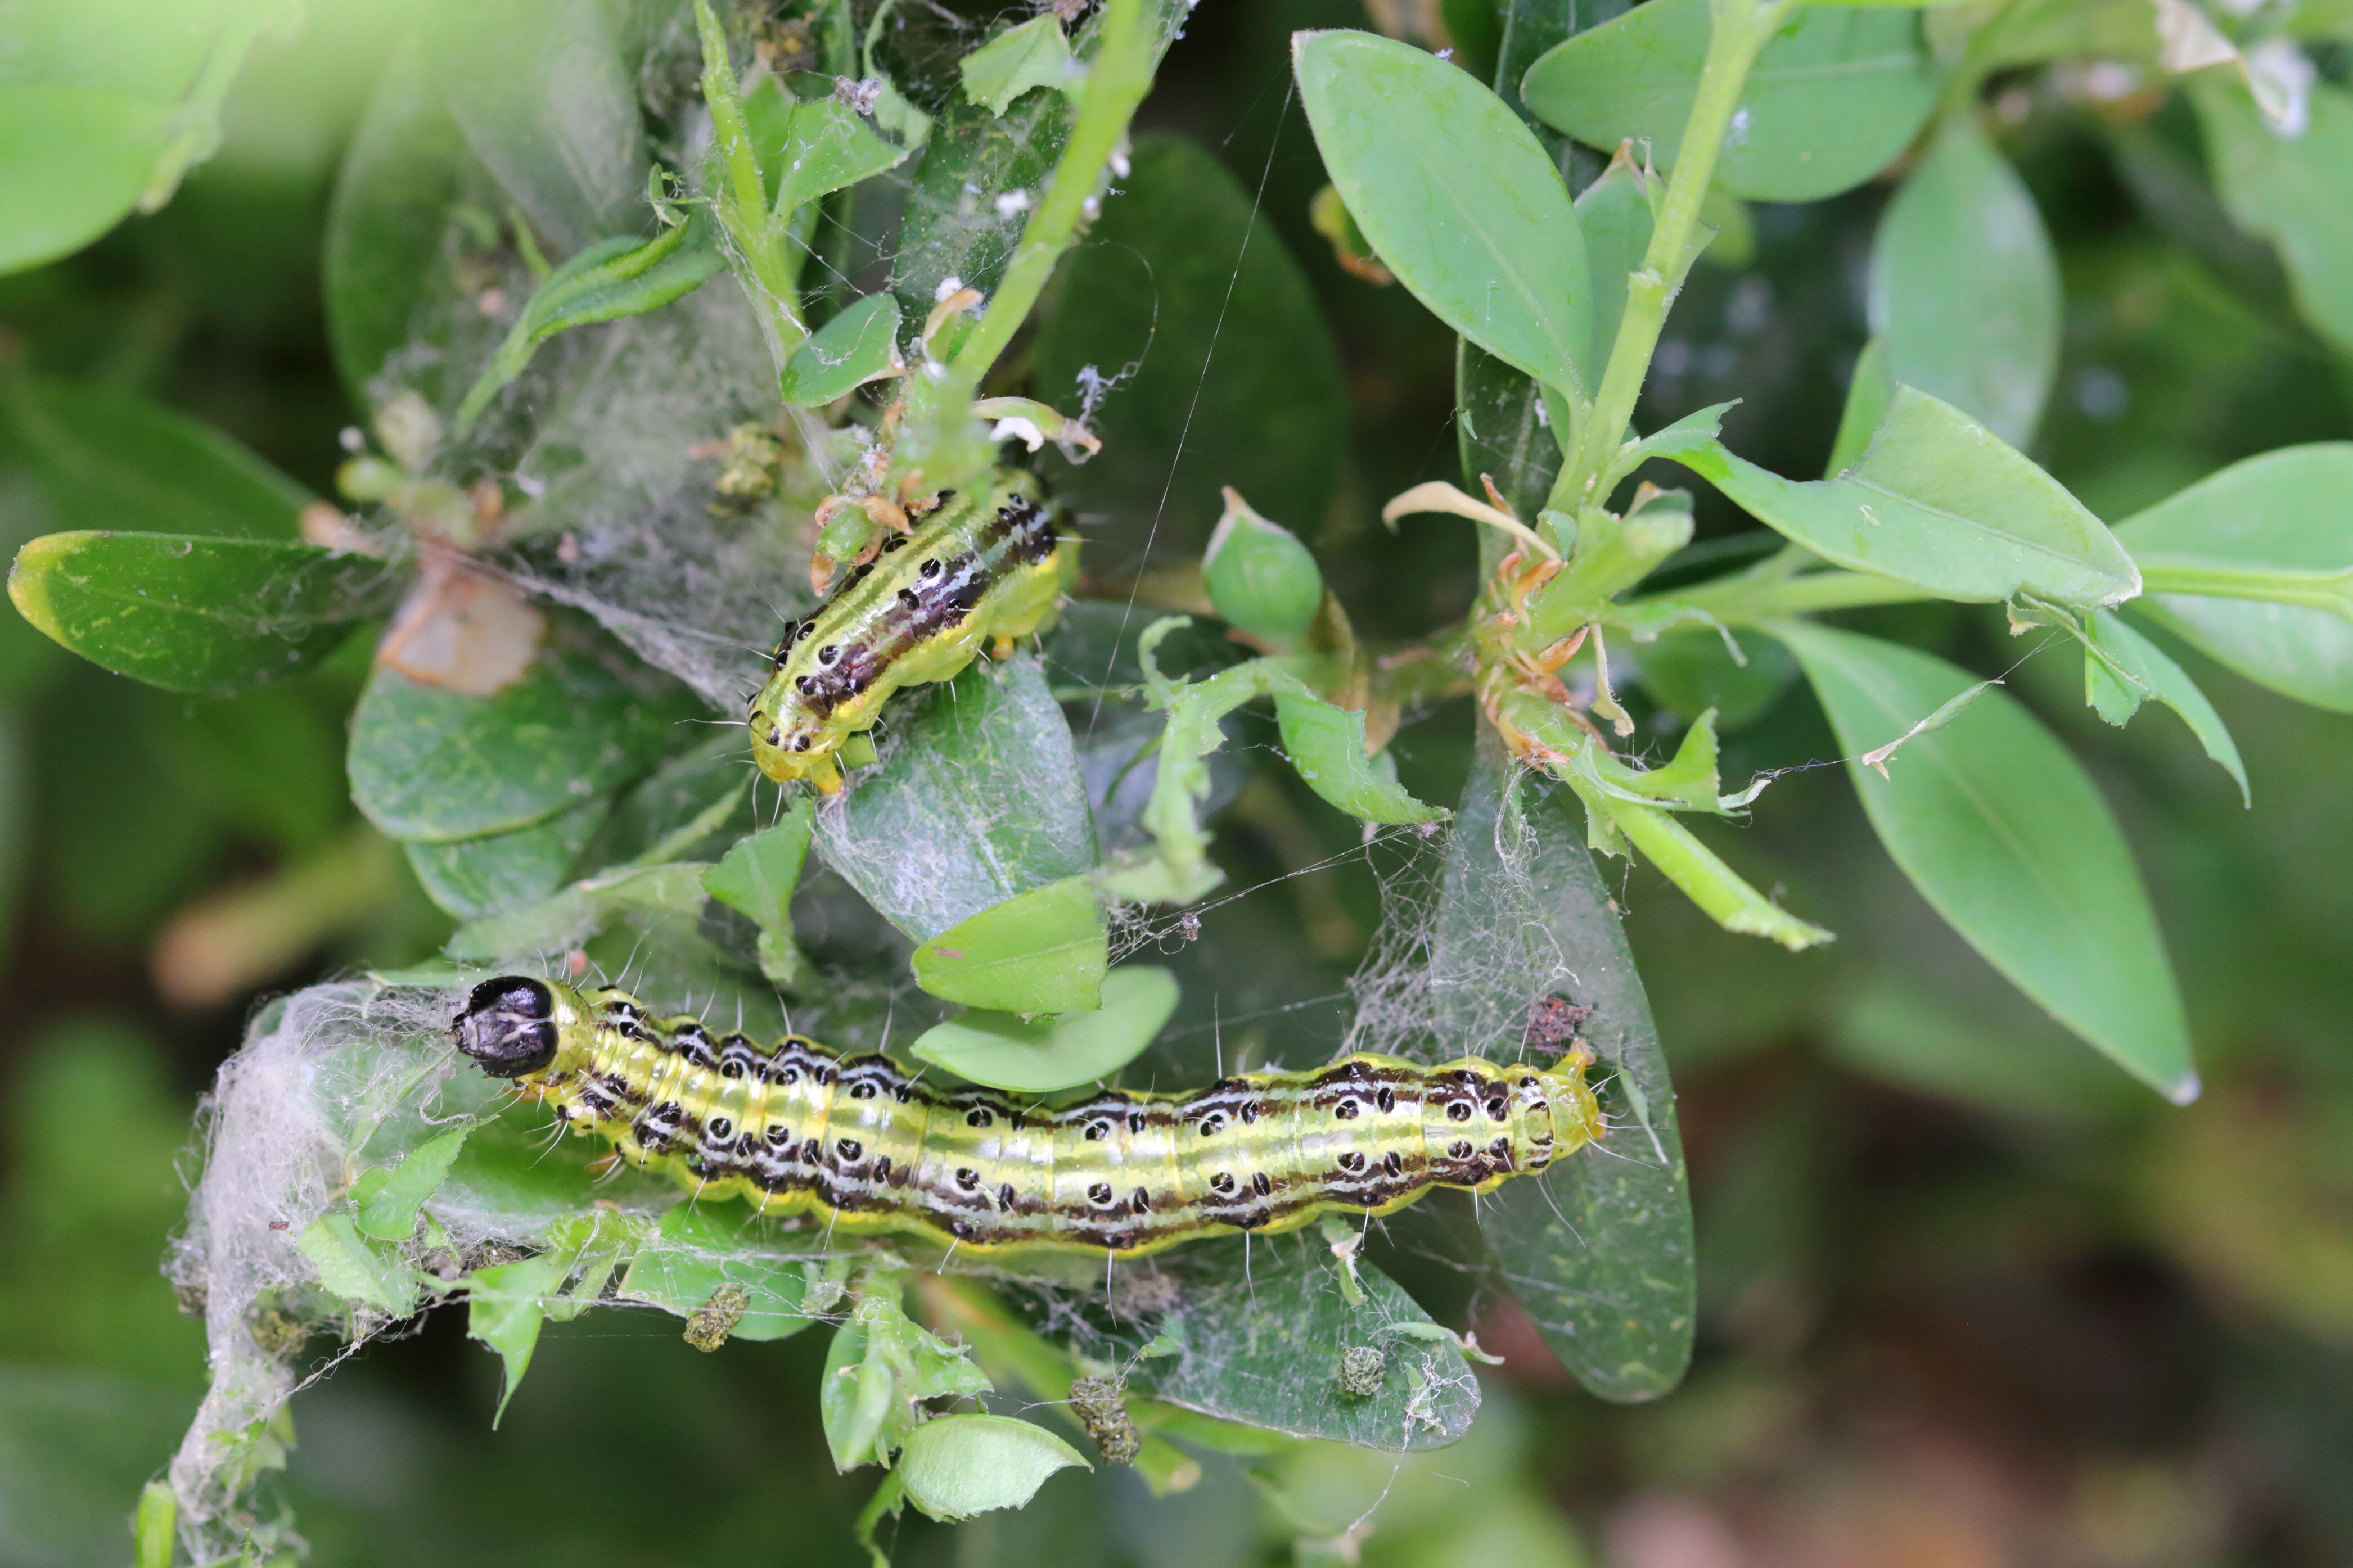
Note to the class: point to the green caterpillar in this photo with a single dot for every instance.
(860, 1143)
(988, 565)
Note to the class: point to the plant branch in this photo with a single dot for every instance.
(743, 204)
(1740, 30)
(1115, 85)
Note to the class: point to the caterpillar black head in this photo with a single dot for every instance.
(509, 1027)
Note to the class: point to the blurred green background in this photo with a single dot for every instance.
(1969, 1296)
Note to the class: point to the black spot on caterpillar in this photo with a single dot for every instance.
(975, 1167)
(988, 566)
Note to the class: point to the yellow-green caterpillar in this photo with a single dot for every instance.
(858, 1141)
(988, 566)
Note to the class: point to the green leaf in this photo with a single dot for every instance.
(608, 281)
(1693, 671)
(1032, 54)
(1614, 215)
(209, 615)
(1502, 429)
(2294, 191)
(958, 1466)
(979, 801)
(1939, 502)
(2006, 836)
(103, 105)
(581, 910)
(389, 1214)
(404, 174)
(831, 148)
(696, 1251)
(108, 458)
(878, 1366)
(1041, 1055)
(2122, 669)
(1598, 1250)
(504, 1310)
(1965, 285)
(1260, 577)
(859, 345)
(470, 878)
(1457, 196)
(1837, 94)
(758, 876)
(430, 763)
(1235, 380)
(1262, 1324)
(1869, 395)
(2277, 518)
(546, 101)
(1044, 951)
(355, 1269)
(1325, 745)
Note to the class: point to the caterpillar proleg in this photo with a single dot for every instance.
(798, 1129)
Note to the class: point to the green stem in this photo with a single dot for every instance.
(1705, 878)
(1749, 600)
(1115, 85)
(743, 205)
(1741, 28)
(2328, 591)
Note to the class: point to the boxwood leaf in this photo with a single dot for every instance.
(1325, 743)
(1965, 285)
(859, 345)
(1837, 94)
(1599, 1249)
(1041, 1055)
(2289, 189)
(1044, 951)
(430, 763)
(1032, 53)
(390, 1212)
(1939, 502)
(471, 878)
(697, 1250)
(108, 458)
(209, 615)
(979, 800)
(2123, 668)
(956, 1465)
(1259, 1330)
(758, 876)
(1457, 196)
(2006, 836)
(1236, 381)
(2281, 513)
(358, 1271)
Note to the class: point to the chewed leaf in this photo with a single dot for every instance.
(390, 1215)
(352, 1267)
(1034, 54)
(2122, 667)
(958, 1466)
(504, 1311)
(1261, 1330)
(859, 345)
(1941, 502)
(758, 876)
(1044, 951)
(609, 280)
(697, 1252)
(581, 910)
(1041, 1055)
(832, 147)
(1326, 745)
(210, 616)
(1598, 1250)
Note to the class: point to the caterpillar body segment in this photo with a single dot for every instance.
(988, 566)
(856, 1141)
